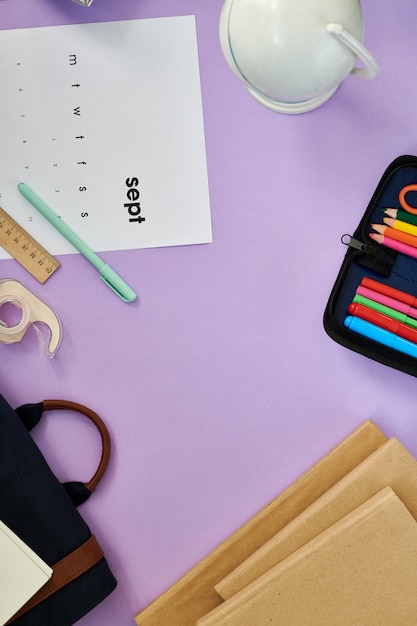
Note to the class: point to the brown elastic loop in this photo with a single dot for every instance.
(48, 405)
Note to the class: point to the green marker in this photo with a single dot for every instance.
(109, 276)
(386, 310)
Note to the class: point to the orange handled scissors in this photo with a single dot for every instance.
(403, 201)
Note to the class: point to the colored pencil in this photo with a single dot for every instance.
(394, 245)
(384, 321)
(397, 305)
(399, 214)
(397, 294)
(399, 225)
(393, 233)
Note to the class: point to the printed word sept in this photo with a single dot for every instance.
(133, 194)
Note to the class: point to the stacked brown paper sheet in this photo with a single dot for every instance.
(362, 570)
(194, 595)
(390, 465)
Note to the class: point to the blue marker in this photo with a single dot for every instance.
(381, 335)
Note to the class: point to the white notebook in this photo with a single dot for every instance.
(22, 573)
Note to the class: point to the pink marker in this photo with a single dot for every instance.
(387, 301)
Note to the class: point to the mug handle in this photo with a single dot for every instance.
(371, 68)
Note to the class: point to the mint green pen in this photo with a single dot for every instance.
(109, 276)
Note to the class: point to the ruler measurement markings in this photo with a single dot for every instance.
(25, 249)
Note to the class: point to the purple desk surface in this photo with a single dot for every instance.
(219, 385)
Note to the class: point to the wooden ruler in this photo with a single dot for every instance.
(25, 249)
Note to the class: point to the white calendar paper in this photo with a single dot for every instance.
(104, 122)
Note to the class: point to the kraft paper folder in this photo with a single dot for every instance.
(194, 595)
(390, 465)
(360, 571)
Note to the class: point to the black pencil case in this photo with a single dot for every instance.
(367, 259)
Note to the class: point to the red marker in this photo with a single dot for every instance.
(383, 321)
(389, 291)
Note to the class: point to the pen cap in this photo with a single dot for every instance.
(293, 54)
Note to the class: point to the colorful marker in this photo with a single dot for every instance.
(381, 308)
(394, 233)
(394, 245)
(404, 227)
(384, 321)
(399, 214)
(397, 294)
(387, 301)
(380, 335)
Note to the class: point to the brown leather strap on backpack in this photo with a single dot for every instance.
(30, 414)
(49, 405)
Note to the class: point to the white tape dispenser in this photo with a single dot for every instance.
(34, 312)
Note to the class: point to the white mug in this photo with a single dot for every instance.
(292, 55)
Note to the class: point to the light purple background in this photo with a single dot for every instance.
(220, 386)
